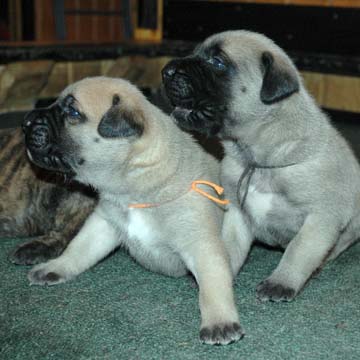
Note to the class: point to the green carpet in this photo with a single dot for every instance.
(118, 310)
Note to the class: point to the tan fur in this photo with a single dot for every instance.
(322, 188)
(301, 184)
(157, 166)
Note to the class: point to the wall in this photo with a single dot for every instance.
(23, 83)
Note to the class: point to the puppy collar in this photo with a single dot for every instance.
(249, 172)
(218, 189)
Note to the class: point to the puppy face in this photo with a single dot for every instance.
(200, 83)
(92, 127)
(231, 78)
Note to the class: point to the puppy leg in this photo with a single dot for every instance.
(95, 240)
(347, 238)
(304, 254)
(40, 249)
(219, 318)
(237, 236)
(69, 218)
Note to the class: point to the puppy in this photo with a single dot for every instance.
(35, 203)
(294, 179)
(102, 132)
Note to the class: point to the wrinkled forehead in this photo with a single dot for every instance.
(236, 46)
(99, 94)
(209, 48)
(217, 46)
(244, 46)
(93, 90)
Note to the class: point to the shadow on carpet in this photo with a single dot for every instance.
(118, 310)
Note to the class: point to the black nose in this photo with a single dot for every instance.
(39, 138)
(37, 132)
(168, 71)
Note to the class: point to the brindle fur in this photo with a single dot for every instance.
(37, 204)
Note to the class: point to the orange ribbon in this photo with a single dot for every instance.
(218, 189)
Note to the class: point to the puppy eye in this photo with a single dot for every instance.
(217, 62)
(72, 112)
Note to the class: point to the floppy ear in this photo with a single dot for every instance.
(119, 123)
(278, 82)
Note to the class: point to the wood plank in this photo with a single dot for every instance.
(334, 3)
(143, 34)
(104, 24)
(44, 20)
(334, 91)
(117, 25)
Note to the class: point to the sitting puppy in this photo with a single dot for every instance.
(294, 179)
(104, 133)
(36, 203)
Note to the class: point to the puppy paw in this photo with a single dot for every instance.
(33, 252)
(47, 274)
(182, 118)
(180, 114)
(269, 290)
(221, 334)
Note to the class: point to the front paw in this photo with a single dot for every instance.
(181, 118)
(47, 274)
(33, 252)
(180, 114)
(221, 334)
(269, 290)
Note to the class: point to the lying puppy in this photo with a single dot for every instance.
(104, 133)
(294, 179)
(37, 204)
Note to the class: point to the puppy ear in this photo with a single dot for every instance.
(119, 123)
(278, 82)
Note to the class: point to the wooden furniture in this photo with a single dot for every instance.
(80, 21)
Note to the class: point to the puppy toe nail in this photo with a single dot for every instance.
(41, 277)
(223, 334)
(205, 334)
(269, 291)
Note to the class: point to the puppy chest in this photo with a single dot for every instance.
(148, 242)
(275, 221)
(141, 229)
(258, 204)
(147, 236)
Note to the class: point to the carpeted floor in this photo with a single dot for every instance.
(118, 310)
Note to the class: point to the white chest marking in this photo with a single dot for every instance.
(259, 204)
(139, 227)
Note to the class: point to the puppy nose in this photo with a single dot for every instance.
(168, 71)
(37, 132)
(39, 138)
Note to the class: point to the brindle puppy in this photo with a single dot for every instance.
(34, 203)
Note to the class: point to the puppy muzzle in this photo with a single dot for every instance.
(41, 129)
(37, 135)
(178, 85)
